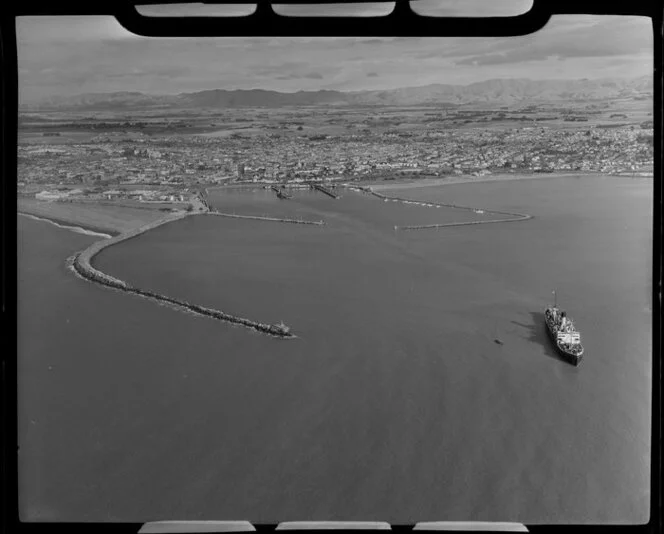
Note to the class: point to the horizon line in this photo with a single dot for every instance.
(557, 80)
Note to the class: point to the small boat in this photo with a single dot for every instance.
(568, 340)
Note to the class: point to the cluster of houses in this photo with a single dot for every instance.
(176, 162)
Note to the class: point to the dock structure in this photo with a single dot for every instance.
(325, 190)
(281, 193)
(203, 198)
(81, 264)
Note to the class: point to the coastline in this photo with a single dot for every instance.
(99, 218)
(466, 179)
(81, 263)
(411, 183)
(73, 226)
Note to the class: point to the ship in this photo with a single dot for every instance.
(567, 341)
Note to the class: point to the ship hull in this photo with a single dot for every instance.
(573, 358)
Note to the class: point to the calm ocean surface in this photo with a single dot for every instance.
(393, 404)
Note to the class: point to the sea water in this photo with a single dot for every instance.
(395, 403)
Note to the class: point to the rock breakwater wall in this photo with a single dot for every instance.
(271, 219)
(325, 190)
(83, 261)
(512, 216)
(81, 264)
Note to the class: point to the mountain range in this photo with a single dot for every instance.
(498, 91)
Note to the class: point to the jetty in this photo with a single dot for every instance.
(270, 219)
(81, 264)
(510, 216)
(466, 223)
(325, 190)
(281, 193)
(203, 199)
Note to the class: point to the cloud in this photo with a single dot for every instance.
(280, 68)
(470, 8)
(196, 10)
(156, 72)
(614, 37)
(71, 55)
(70, 29)
(371, 42)
(307, 76)
(367, 9)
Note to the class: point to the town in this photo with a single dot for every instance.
(127, 161)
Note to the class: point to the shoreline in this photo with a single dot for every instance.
(96, 217)
(81, 263)
(86, 229)
(464, 179)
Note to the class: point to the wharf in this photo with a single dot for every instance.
(272, 219)
(281, 193)
(512, 216)
(325, 190)
(81, 264)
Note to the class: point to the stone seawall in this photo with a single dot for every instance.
(325, 190)
(271, 219)
(512, 215)
(81, 264)
(444, 225)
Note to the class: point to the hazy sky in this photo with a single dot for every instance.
(72, 55)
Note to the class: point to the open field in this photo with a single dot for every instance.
(92, 216)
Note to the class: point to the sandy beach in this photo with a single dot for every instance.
(96, 217)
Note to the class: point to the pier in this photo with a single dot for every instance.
(281, 193)
(325, 190)
(445, 225)
(270, 219)
(512, 217)
(202, 197)
(81, 264)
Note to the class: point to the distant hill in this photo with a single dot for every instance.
(499, 91)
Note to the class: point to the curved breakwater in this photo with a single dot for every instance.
(81, 264)
(513, 216)
(325, 190)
